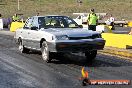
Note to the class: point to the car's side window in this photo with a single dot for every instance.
(41, 22)
(28, 23)
(70, 22)
(49, 22)
(35, 22)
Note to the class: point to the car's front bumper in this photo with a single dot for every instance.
(78, 45)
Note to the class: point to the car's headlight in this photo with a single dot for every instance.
(62, 37)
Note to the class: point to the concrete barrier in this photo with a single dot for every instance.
(15, 25)
(118, 40)
(1, 24)
(130, 23)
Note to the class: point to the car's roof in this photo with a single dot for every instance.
(50, 15)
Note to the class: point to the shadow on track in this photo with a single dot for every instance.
(80, 60)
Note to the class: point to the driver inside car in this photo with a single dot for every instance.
(57, 24)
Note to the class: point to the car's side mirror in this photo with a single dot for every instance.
(80, 26)
(34, 28)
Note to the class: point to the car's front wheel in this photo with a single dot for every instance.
(21, 47)
(45, 52)
(90, 55)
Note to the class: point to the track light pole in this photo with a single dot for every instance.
(18, 5)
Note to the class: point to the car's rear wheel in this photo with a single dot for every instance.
(21, 47)
(45, 52)
(90, 55)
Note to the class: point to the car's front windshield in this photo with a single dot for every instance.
(57, 22)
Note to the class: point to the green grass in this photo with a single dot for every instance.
(121, 9)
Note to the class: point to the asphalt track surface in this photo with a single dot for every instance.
(121, 30)
(19, 70)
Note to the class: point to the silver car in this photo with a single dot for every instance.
(57, 34)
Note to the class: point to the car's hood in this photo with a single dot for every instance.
(76, 32)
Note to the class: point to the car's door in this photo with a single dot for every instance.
(33, 34)
(25, 32)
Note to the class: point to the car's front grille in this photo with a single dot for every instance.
(87, 37)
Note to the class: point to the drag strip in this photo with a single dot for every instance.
(62, 72)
